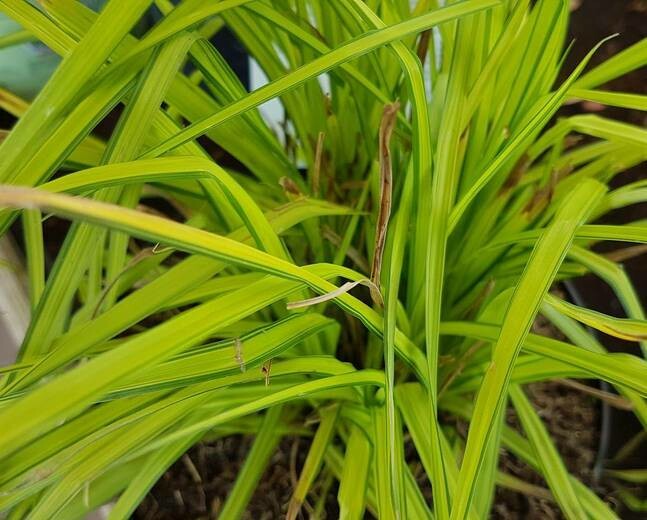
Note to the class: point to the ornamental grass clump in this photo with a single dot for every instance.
(364, 276)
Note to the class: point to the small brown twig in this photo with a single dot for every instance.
(141, 255)
(190, 467)
(462, 362)
(614, 400)
(626, 253)
(294, 451)
(352, 253)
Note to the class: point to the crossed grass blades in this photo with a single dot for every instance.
(430, 167)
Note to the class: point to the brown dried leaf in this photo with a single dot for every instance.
(516, 174)
(389, 118)
(423, 46)
(290, 188)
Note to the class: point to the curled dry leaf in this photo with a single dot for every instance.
(334, 294)
(389, 118)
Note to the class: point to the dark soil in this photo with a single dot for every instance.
(196, 486)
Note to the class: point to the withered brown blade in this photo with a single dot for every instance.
(389, 118)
